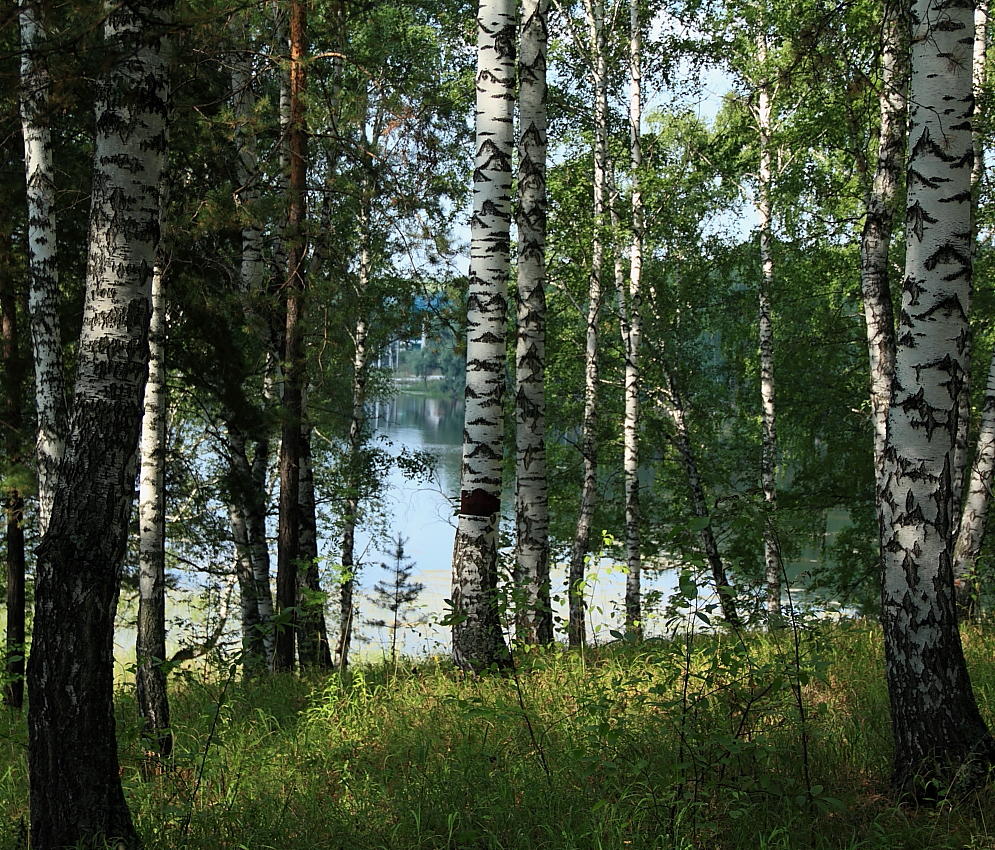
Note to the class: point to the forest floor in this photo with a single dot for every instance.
(697, 743)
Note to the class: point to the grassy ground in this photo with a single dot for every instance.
(664, 745)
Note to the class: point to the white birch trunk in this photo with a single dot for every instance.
(74, 776)
(768, 462)
(938, 731)
(589, 446)
(970, 524)
(632, 330)
(150, 647)
(875, 241)
(477, 639)
(532, 500)
(43, 292)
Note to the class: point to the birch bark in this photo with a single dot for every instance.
(938, 731)
(577, 628)
(632, 333)
(768, 463)
(43, 297)
(75, 785)
(875, 241)
(477, 639)
(970, 527)
(532, 498)
(150, 645)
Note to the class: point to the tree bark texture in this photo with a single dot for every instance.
(43, 292)
(938, 732)
(312, 643)
(288, 543)
(632, 328)
(970, 523)
(150, 646)
(580, 548)
(12, 440)
(535, 623)
(768, 461)
(75, 785)
(875, 240)
(477, 639)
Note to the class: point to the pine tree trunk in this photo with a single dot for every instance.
(674, 406)
(288, 544)
(535, 623)
(11, 439)
(589, 435)
(875, 241)
(768, 464)
(938, 732)
(75, 784)
(477, 639)
(150, 646)
(43, 297)
(969, 524)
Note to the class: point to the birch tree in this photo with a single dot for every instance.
(938, 731)
(75, 784)
(970, 529)
(532, 500)
(43, 297)
(594, 17)
(150, 645)
(477, 639)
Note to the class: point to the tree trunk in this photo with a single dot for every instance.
(589, 436)
(674, 406)
(969, 524)
(75, 784)
(150, 646)
(11, 426)
(288, 544)
(632, 331)
(253, 651)
(477, 639)
(768, 463)
(938, 732)
(875, 241)
(312, 649)
(43, 293)
(249, 490)
(535, 623)
(357, 439)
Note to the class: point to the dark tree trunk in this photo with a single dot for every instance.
(10, 432)
(288, 543)
(75, 784)
(312, 636)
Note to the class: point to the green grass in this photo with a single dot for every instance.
(662, 745)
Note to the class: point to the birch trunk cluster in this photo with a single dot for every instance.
(477, 639)
(76, 794)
